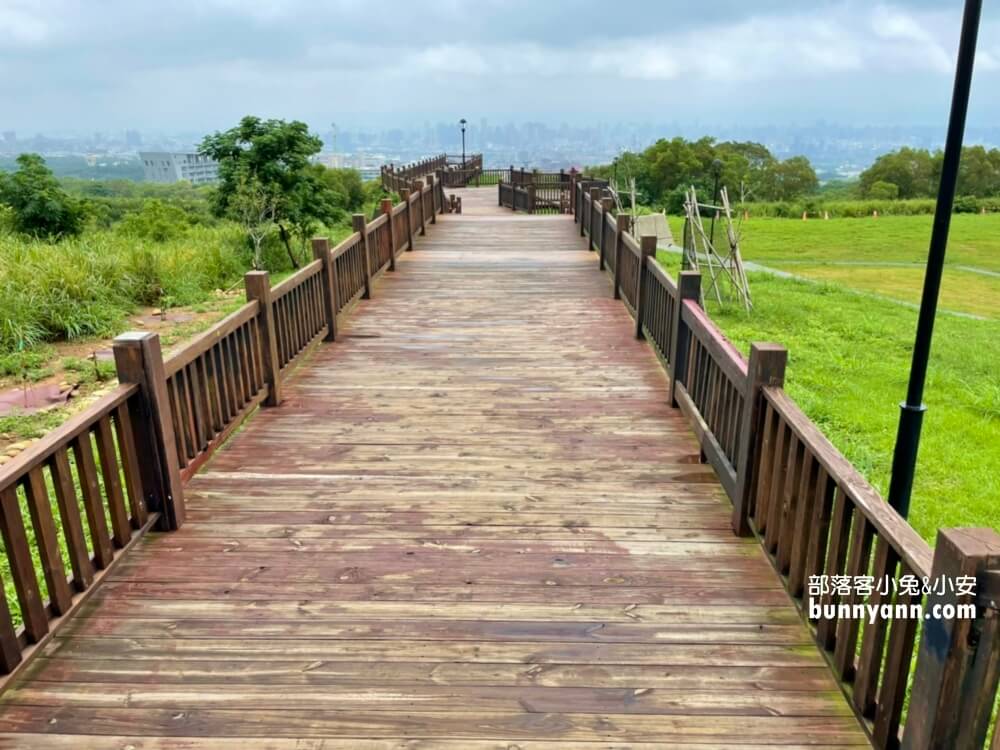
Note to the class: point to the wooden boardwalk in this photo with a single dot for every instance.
(474, 523)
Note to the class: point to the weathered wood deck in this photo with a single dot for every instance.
(474, 523)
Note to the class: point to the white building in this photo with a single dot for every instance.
(163, 166)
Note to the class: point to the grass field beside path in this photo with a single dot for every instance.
(849, 359)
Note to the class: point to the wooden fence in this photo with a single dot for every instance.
(396, 178)
(536, 192)
(119, 466)
(816, 516)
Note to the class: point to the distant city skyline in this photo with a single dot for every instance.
(837, 151)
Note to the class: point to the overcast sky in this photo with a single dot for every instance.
(201, 64)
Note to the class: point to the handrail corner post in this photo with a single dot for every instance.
(766, 367)
(430, 184)
(688, 288)
(595, 199)
(321, 252)
(139, 360)
(404, 195)
(647, 250)
(386, 207)
(360, 225)
(955, 681)
(624, 222)
(258, 287)
(605, 215)
(418, 188)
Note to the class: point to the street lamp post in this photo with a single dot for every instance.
(462, 122)
(904, 459)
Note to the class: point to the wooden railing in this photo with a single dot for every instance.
(212, 382)
(536, 192)
(125, 458)
(816, 517)
(459, 173)
(396, 178)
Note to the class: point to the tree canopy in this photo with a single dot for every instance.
(40, 206)
(274, 157)
(668, 167)
(914, 173)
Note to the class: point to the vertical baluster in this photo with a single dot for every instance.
(120, 527)
(47, 542)
(72, 523)
(130, 466)
(22, 568)
(873, 633)
(93, 504)
(836, 559)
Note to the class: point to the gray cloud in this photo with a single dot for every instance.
(68, 64)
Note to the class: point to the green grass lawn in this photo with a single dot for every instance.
(974, 240)
(849, 350)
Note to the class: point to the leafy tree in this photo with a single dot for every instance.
(667, 168)
(789, 179)
(270, 157)
(254, 206)
(911, 170)
(157, 221)
(882, 190)
(41, 208)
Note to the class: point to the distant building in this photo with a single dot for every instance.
(367, 164)
(133, 138)
(164, 166)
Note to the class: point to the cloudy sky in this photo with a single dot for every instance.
(201, 64)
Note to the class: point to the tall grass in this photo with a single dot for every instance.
(87, 286)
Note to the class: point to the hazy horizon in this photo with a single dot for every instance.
(198, 67)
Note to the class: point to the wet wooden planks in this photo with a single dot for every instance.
(474, 523)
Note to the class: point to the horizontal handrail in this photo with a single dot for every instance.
(197, 346)
(41, 450)
(296, 279)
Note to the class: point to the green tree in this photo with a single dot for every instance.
(884, 191)
(157, 221)
(272, 155)
(789, 179)
(41, 208)
(913, 171)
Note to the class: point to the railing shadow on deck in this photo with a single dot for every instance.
(126, 457)
(819, 521)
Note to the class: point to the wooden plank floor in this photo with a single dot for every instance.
(474, 523)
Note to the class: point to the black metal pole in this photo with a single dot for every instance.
(904, 459)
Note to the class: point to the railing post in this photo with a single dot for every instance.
(647, 249)
(386, 205)
(418, 188)
(688, 288)
(595, 200)
(765, 368)
(624, 224)
(955, 680)
(258, 286)
(430, 184)
(584, 191)
(328, 277)
(139, 360)
(358, 224)
(606, 212)
(531, 199)
(405, 195)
